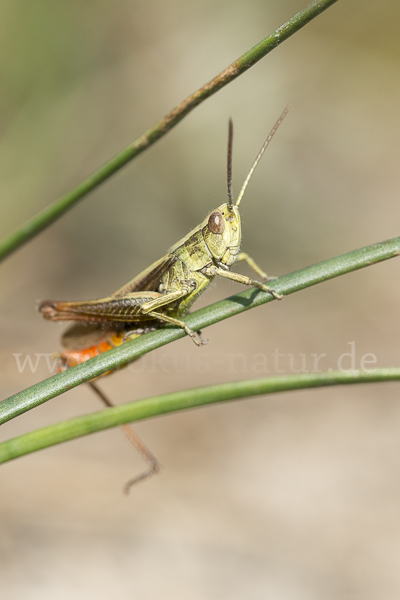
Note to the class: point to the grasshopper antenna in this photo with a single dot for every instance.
(264, 147)
(229, 170)
(154, 465)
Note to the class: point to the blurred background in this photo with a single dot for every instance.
(285, 497)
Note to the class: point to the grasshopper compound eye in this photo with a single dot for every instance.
(216, 223)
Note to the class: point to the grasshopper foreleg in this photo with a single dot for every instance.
(213, 270)
(243, 256)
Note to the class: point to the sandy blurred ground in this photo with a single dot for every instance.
(284, 497)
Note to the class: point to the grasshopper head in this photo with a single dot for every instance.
(222, 233)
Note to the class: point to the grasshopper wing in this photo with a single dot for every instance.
(83, 335)
(149, 279)
(123, 310)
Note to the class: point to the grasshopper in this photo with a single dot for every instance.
(162, 293)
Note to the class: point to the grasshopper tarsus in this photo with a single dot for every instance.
(154, 470)
(267, 288)
(198, 340)
(202, 340)
(273, 292)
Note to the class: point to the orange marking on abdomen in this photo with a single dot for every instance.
(72, 358)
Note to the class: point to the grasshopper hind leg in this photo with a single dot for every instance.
(154, 465)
